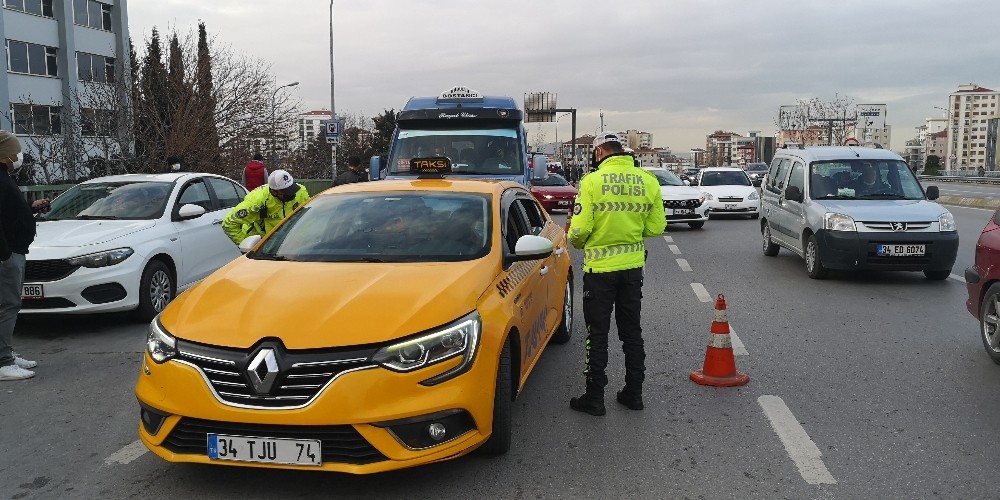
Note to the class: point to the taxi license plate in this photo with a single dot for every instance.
(683, 211)
(899, 250)
(563, 203)
(266, 450)
(32, 292)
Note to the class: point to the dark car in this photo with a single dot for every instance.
(553, 192)
(983, 282)
(756, 172)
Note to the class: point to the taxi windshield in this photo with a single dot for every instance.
(489, 152)
(384, 227)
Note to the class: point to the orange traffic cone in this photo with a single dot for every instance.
(720, 365)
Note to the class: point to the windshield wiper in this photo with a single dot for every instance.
(95, 217)
(261, 256)
(893, 196)
(834, 197)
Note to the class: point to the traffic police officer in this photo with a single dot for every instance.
(264, 207)
(617, 206)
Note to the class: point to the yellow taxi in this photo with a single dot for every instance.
(364, 334)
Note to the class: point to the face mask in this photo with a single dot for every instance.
(18, 161)
(175, 167)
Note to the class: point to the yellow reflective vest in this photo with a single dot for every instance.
(259, 212)
(618, 205)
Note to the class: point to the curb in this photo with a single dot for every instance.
(986, 203)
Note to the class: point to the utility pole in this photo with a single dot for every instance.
(829, 126)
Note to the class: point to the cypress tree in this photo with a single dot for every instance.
(205, 95)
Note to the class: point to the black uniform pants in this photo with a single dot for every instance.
(621, 292)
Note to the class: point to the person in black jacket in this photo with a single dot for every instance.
(353, 173)
(17, 231)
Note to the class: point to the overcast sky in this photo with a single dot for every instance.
(679, 69)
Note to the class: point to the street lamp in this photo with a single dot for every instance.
(559, 150)
(274, 125)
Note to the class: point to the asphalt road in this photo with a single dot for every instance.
(864, 385)
(965, 190)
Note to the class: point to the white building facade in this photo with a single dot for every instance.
(968, 111)
(310, 124)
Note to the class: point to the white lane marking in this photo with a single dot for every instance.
(956, 278)
(701, 292)
(683, 263)
(738, 348)
(668, 239)
(797, 444)
(675, 249)
(127, 454)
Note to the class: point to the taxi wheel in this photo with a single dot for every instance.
(814, 267)
(989, 322)
(156, 290)
(565, 329)
(499, 441)
(770, 248)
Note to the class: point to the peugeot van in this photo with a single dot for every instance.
(853, 208)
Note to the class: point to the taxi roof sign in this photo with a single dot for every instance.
(460, 93)
(435, 166)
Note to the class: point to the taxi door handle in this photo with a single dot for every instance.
(559, 251)
(543, 271)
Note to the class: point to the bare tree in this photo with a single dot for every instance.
(814, 121)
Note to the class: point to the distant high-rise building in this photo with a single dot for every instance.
(969, 110)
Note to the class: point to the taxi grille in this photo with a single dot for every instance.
(341, 443)
(40, 271)
(681, 203)
(302, 374)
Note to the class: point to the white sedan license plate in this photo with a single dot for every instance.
(267, 450)
(730, 206)
(899, 250)
(683, 211)
(32, 292)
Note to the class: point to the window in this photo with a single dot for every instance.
(797, 177)
(92, 14)
(95, 68)
(30, 58)
(98, 122)
(195, 194)
(37, 7)
(35, 119)
(776, 176)
(228, 194)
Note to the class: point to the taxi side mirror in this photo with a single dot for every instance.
(529, 247)
(247, 244)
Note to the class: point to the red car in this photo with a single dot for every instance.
(983, 281)
(553, 192)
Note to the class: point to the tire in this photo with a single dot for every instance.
(755, 216)
(697, 225)
(565, 329)
(156, 290)
(989, 322)
(499, 441)
(937, 275)
(770, 247)
(814, 267)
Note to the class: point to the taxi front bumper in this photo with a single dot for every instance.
(368, 420)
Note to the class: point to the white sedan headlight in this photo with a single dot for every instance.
(753, 195)
(457, 339)
(102, 259)
(838, 222)
(947, 222)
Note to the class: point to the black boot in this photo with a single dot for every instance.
(632, 401)
(588, 404)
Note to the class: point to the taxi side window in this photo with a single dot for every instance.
(533, 215)
(516, 225)
(776, 176)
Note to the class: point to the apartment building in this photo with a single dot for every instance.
(310, 124)
(969, 109)
(54, 50)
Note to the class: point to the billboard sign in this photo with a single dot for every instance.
(871, 116)
(793, 117)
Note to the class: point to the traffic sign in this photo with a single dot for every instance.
(332, 128)
(851, 141)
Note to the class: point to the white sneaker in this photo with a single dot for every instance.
(24, 363)
(14, 372)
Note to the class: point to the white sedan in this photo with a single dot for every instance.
(728, 190)
(681, 203)
(128, 243)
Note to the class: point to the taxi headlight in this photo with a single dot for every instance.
(947, 222)
(160, 345)
(838, 222)
(457, 339)
(102, 259)
(753, 195)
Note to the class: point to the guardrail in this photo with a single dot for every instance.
(960, 178)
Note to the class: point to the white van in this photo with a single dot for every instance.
(852, 208)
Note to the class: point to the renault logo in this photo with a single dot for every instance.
(263, 370)
(898, 226)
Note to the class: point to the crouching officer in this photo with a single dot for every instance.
(618, 205)
(264, 207)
